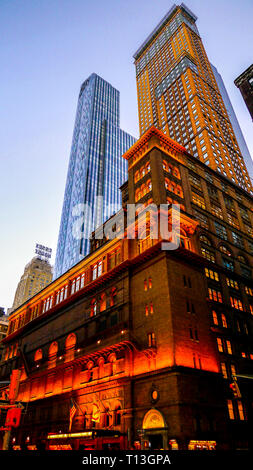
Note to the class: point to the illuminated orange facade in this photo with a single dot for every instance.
(144, 341)
(177, 92)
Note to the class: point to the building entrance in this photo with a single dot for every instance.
(154, 430)
(155, 441)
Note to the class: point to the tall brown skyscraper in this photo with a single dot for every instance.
(178, 93)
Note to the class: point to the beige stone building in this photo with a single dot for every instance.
(37, 275)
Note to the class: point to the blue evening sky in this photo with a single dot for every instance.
(47, 49)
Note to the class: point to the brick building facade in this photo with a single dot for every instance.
(145, 342)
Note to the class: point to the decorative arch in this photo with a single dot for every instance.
(153, 419)
(112, 357)
(100, 361)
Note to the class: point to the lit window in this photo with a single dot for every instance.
(229, 348)
(93, 307)
(220, 345)
(240, 411)
(232, 283)
(214, 295)
(212, 274)
(224, 370)
(236, 303)
(230, 409)
(102, 302)
(224, 321)
(113, 296)
(215, 318)
(151, 340)
(233, 370)
(208, 254)
(38, 355)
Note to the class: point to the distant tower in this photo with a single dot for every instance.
(178, 93)
(96, 169)
(37, 275)
(234, 121)
(245, 84)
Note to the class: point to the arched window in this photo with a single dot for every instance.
(70, 347)
(93, 307)
(179, 191)
(38, 355)
(176, 173)
(11, 352)
(107, 418)
(136, 176)
(15, 349)
(53, 349)
(205, 240)
(102, 302)
(113, 296)
(242, 259)
(224, 249)
(172, 187)
(137, 194)
(70, 341)
(6, 354)
(117, 416)
(52, 354)
(165, 165)
(143, 190)
(149, 185)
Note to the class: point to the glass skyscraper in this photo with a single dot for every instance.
(234, 121)
(96, 170)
